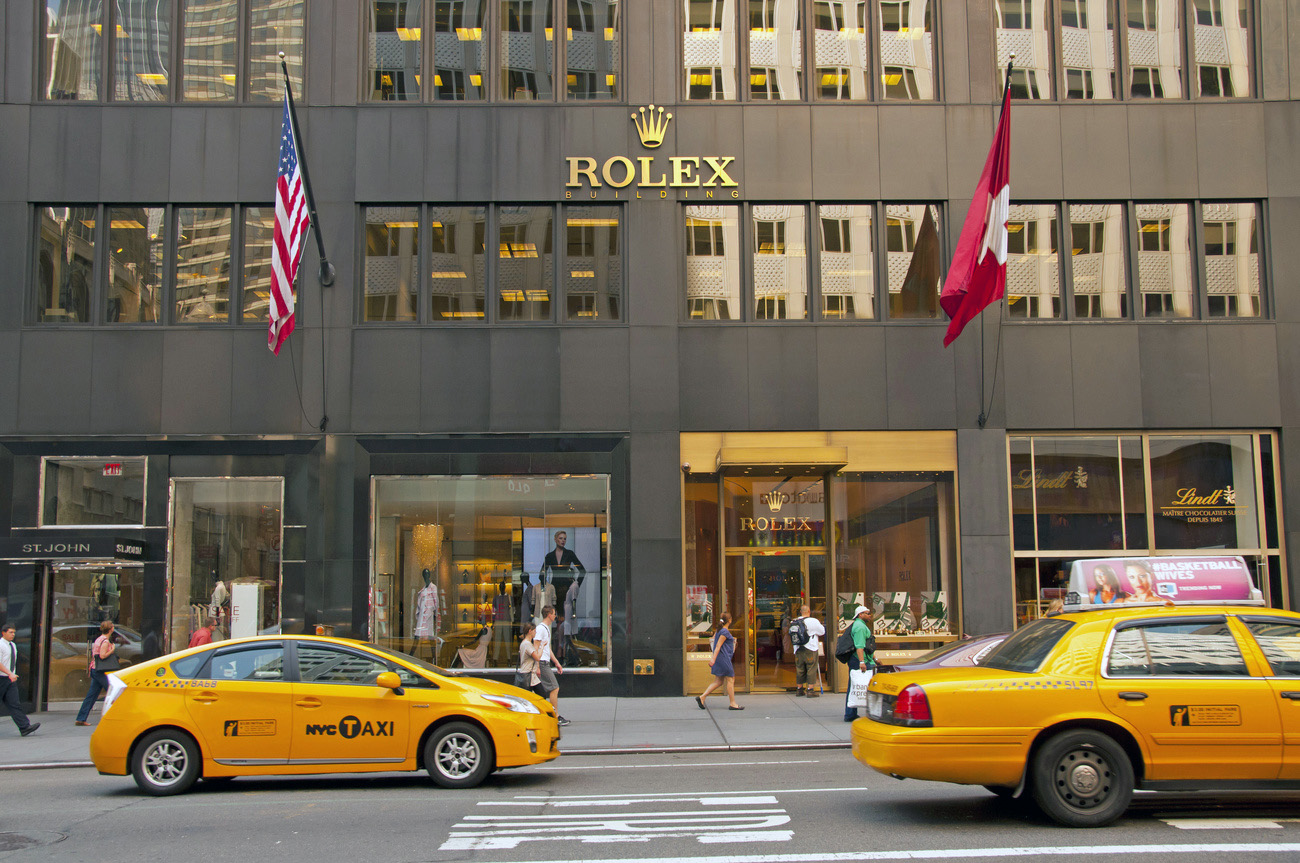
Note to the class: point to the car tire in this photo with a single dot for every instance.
(165, 762)
(459, 755)
(1082, 778)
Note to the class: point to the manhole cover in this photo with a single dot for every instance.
(19, 841)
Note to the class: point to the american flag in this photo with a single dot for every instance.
(291, 223)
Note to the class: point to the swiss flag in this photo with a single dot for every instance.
(978, 275)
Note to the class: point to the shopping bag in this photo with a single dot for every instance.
(859, 680)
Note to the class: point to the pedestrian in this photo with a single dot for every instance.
(547, 667)
(103, 659)
(9, 682)
(864, 645)
(805, 655)
(203, 635)
(724, 675)
(526, 672)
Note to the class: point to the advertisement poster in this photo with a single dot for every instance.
(1159, 580)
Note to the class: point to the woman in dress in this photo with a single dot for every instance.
(724, 676)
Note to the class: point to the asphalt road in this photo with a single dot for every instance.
(771, 807)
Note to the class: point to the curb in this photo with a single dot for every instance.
(46, 765)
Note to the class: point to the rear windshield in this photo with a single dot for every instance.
(1027, 647)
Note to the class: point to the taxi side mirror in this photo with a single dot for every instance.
(390, 680)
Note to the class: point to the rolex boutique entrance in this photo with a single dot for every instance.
(831, 520)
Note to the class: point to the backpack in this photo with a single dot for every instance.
(798, 632)
(844, 646)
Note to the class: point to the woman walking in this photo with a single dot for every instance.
(103, 659)
(724, 645)
(526, 674)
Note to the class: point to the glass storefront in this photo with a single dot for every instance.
(81, 492)
(1075, 496)
(84, 596)
(226, 537)
(461, 561)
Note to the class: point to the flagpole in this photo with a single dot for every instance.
(984, 411)
(326, 268)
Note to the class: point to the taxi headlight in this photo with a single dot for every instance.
(511, 702)
(115, 688)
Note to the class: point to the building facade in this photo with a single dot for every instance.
(634, 314)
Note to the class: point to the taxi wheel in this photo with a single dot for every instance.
(459, 755)
(1082, 778)
(165, 762)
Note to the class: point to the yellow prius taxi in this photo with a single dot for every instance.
(1078, 709)
(301, 704)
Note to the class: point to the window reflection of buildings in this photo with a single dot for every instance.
(142, 50)
(65, 264)
(1088, 48)
(210, 28)
(780, 262)
(1231, 260)
(1023, 30)
(593, 264)
(203, 264)
(525, 264)
(847, 265)
(902, 230)
(459, 279)
(709, 49)
(1165, 261)
(1033, 272)
(135, 262)
(906, 49)
(392, 257)
(712, 262)
(592, 52)
(1221, 42)
(73, 42)
(1097, 260)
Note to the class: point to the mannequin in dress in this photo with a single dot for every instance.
(425, 628)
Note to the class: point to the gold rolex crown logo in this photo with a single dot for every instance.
(651, 125)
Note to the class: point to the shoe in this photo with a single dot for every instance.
(560, 720)
(700, 701)
(731, 707)
(81, 722)
(850, 719)
(30, 729)
(799, 693)
(812, 695)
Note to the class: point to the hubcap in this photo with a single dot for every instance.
(165, 762)
(458, 756)
(1083, 778)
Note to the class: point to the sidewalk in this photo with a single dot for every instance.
(599, 725)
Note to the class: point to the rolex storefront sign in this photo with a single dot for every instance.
(709, 174)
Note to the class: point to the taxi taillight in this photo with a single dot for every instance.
(912, 707)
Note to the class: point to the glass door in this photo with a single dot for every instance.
(83, 596)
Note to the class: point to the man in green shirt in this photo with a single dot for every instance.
(863, 645)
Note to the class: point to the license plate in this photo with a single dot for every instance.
(875, 705)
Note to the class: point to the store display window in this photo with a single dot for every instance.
(80, 492)
(225, 558)
(460, 561)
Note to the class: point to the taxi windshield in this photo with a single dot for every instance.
(413, 660)
(1027, 647)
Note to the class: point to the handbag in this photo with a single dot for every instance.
(859, 680)
(108, 663)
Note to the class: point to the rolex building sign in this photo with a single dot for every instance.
(645, 174)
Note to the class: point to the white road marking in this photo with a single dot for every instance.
(678, 764)
(1227, 823)
(624, 801)
(665, 795)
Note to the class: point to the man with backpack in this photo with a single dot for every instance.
(805, 631)
(855, 647)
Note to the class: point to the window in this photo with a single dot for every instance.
(65, 266)
(775, 50)
(912, 247)
(458, 277)
(845, 266)
(1154, 37)
(254, 662)
(780, 268)
(1203, 648)
(506, 50)
(318, 663)
(135, 264)
(593, 282)
(1024, 29)
(1026, 649)
(92, 491)
(1098, 263)
(203, 255)
(1222, 47)
(392, 264)
(713, 263)
(1280, 642)
(521, 543)
(127, 50)
(1033, 265)
(1165, 286)
(525, 272)
(1232, 267)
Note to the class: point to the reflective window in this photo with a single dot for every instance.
(65, 264)
(906, 37)
(527, 49)
(85, 596)
(1222, 47)
(1280, 642)
(135, 264)
(1023, 29)
(846, 265)
(252, 662)
(1203, 491)
(392, 263)
(141, 50)
(320, 663)
(457, 258)
(1097, 261)
(593, 264)
(275, 26)
(459, 55)
(1203, 648)
(841, 54)
(72, 56)
(1154, 49)
(92, 491)
(1232, 276)
(592, 49)
(203, 250)
(525, 274)
(709, 49)
(259, 236)
(520, 543)
(775, 49)
(209, 29)
(394, 49)
(1033, 265)
(713, 263)
(1088, 49)
(1165, 288)
(780, 261)
(912, 247)
(225, 557)
(1076, 486)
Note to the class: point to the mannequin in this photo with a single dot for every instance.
(220, 596)
(425, 627)
(538, 596)
(502, 628)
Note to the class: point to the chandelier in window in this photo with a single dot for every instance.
(427, 539)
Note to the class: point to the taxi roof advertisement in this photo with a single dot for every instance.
(1160, 580)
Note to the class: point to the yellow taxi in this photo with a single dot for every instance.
(1079, 709)
(301, 704)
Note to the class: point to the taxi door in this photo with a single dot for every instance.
(1184, 684)
(1278, 639)
(340, 715)
(241, 705)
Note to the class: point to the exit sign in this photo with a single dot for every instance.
(113, 469)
